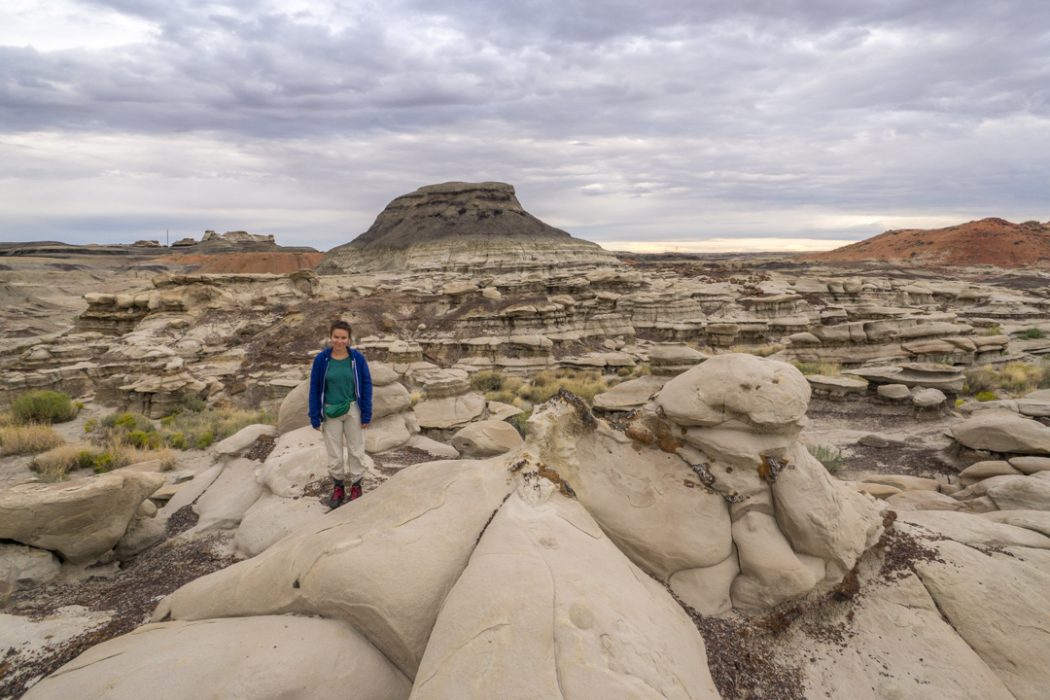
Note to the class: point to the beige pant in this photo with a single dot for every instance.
(345, 431)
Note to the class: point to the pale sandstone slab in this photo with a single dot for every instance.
(384, 565)
(293, 412)
(390, 399)
(266, 657)
(972, 529)
(707, 589)
(226, 500)
(272, 518)
(1034, 520)
(990, 602)
(548, 607)
(630, 394)
(80, 519)
(904, 482)
(899, 647)
(923, 500)
(984, 470)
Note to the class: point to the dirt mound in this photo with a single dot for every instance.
(990, 241)
(277, 263)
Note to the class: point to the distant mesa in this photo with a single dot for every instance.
(467, 227)
(991, 241)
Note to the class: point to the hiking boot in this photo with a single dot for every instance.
(338, 495)
(355, 491)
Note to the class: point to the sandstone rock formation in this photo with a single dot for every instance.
(79, 520)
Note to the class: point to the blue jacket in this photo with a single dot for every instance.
(362, 378)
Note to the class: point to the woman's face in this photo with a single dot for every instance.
(340, 338)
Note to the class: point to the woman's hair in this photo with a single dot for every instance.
(342, 325)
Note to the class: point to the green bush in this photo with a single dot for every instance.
(1032, 333)
(986, 396)
(44, 406)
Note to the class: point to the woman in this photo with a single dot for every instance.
(340, 407)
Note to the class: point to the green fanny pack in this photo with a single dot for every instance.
(334, 410)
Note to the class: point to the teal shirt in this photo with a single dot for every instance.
(339, 382)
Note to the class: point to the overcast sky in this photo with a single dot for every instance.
(689, 124)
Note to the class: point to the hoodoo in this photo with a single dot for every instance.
(471, 227)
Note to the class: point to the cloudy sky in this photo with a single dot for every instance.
(672, 124)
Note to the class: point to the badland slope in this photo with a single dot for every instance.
(988, 241)
(461, 226)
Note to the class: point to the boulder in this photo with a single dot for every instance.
(893, 392)
(763, 393)
(390, 399)
(298, 457)
(79, 519)
(904, 482)
(450, 411)
(294, 410)
(928, 398)
(265, 657)
(1003, 431)
(1030, 465)
(545, 604)
(486, 438)
(386, 433)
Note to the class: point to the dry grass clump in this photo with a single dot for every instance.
(497, 386)
(828, 369)
(1015, 378)
(543, 385)
(27, 439)
(55, 464)
(760, 350)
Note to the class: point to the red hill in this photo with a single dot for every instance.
(986, 242)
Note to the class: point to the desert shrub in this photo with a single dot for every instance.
(1015, 378)
(44, 406)
(993, 329)
(190, 404)
(487, 380)
(828, 369)
(183, 430)
(830, 457)
(765, 350)
(986, 395)
(27, 439)
(625, 372)
(55, 464)
(1032, 333)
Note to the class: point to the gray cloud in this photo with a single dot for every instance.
(687, 111)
